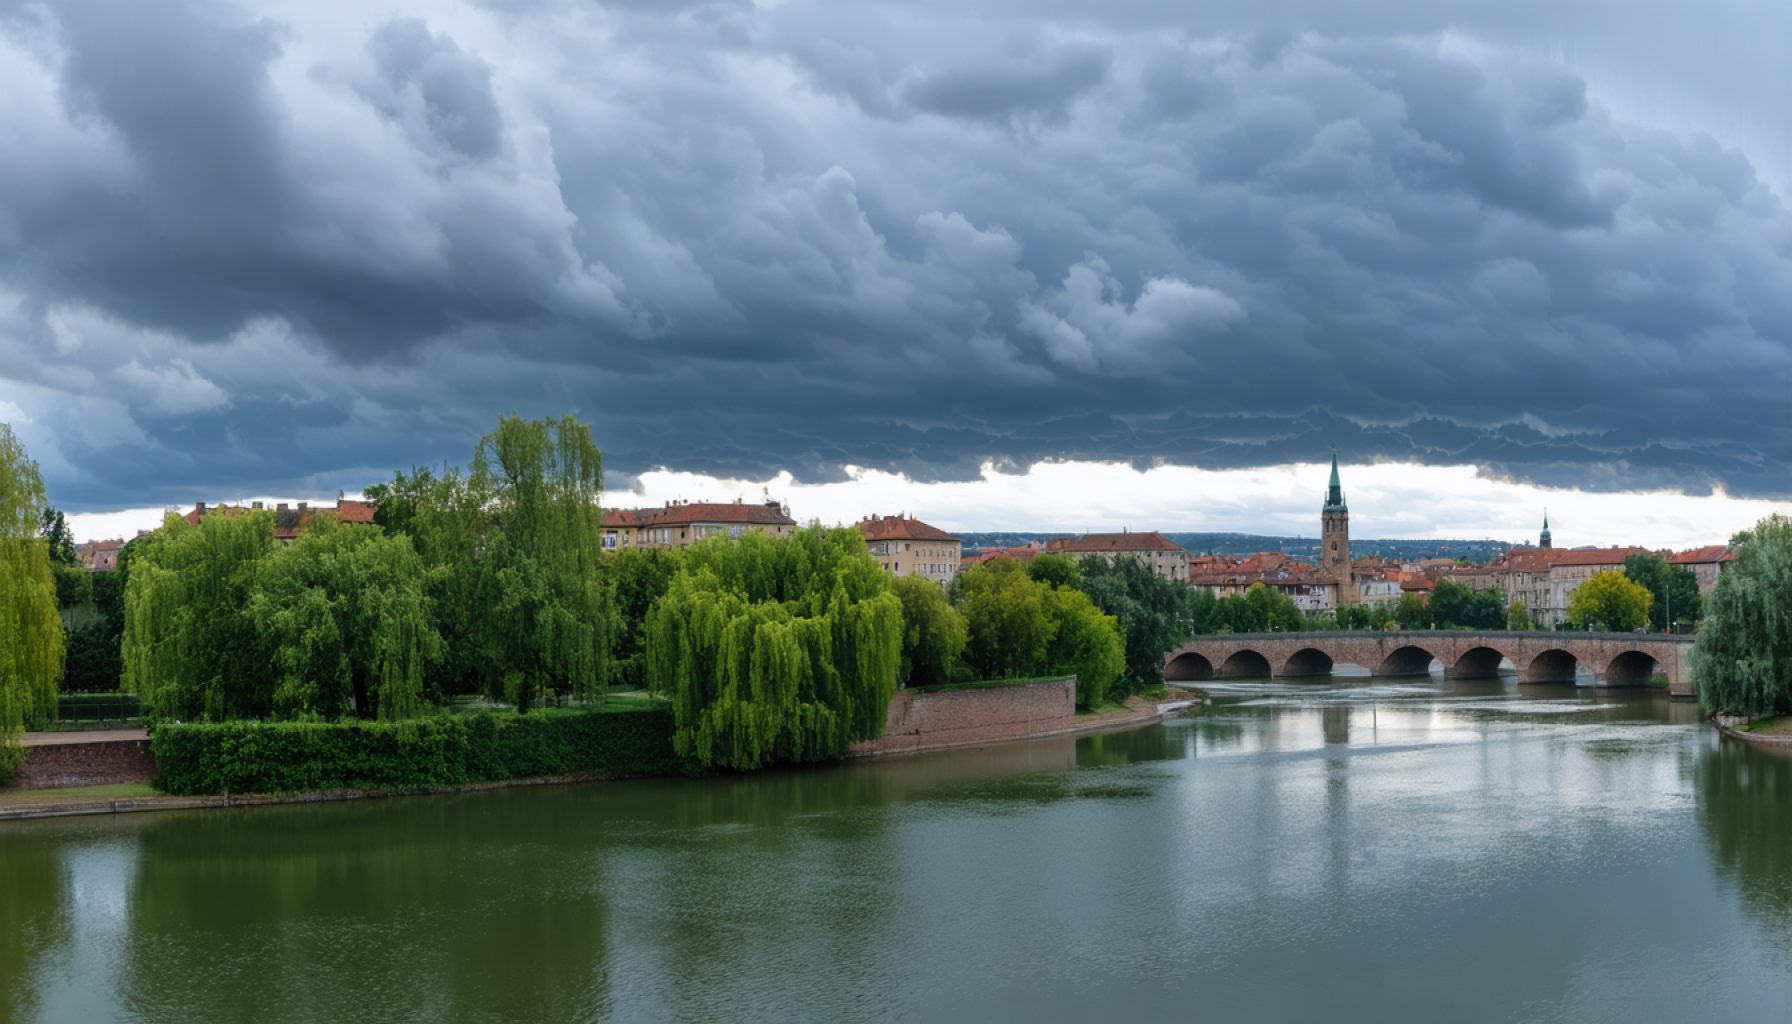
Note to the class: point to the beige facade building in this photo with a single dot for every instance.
(908, 547)
(1160, 554)
(1705, 564)
(1544, 579)
(683, 523)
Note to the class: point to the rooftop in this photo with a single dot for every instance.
(901, 527)
(1101, 543)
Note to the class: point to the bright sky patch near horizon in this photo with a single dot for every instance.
(1386, 501)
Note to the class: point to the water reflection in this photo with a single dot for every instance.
(1745, 809)
(1433, 849)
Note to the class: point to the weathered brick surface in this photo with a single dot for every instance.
(86, 764)
(1617, 659)
(924, 721)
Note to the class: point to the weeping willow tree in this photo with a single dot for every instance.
(30, 628)
(775, 649)
(191, 650)
(1743, 658)
(344, 612)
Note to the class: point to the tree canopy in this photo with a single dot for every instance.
(933, 633)
(1674, 587)
(1610, 601)
(775, 649)
(1743, 658)
(1020, 627)
(31, 640)
(1152, 612)
(1454, 606)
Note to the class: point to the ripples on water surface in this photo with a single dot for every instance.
(1404, 851)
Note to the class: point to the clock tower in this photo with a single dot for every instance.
(1334, 539)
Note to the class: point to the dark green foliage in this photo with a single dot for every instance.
(933, 633)
(1019, 627)
(92, 663)
(74, 588)
(1518, 617)
(1454, 606)
(1055, 570)
(1743, 659)
(1356, 616)
(1413, 612)
(635, 579)
(1152, 613)
(96, 707)
(1675, 588)
(285, 757)
(1259, 609)
(54, 528)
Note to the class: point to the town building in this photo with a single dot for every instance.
(1020, 553)
(1159, 553)
(683, 523)
(289, 520)
(98, 555)
(1705, 564)
(908, 547)
(1544, 579)
(1309, 589)
(1334, 539)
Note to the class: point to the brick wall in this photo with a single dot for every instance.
(955, 718)
(86, 764)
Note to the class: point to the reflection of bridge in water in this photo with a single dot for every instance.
(1614, 659)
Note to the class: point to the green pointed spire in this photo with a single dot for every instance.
(1334, 495)
(1543, 538)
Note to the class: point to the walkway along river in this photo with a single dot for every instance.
(1418, 850)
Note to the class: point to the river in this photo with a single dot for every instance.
(1359, 850)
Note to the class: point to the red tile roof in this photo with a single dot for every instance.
(901, 528)
(1708, 553)
(1101, 543)
(289, 521)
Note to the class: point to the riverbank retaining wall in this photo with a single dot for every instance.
(100, 763)
(923, 720)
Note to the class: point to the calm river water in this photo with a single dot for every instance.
(1352, 851)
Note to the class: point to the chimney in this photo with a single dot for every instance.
(199, 507)
(280, 507)
(258, 506)
(303, 506)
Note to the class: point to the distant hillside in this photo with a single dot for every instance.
(1304, 548)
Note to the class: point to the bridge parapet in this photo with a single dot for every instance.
(1615, 659)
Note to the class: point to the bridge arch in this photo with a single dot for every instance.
(1188, 666)
(1410, 660)
(1245, 664)
(1630, 668)
(1308, 661)
(1552, 666)
(1477, 663)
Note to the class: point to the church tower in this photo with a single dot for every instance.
(1543, 538)
(1334, 539)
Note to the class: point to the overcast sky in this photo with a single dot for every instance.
(1530, 253)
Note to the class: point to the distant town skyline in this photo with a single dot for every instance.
(1387, 500)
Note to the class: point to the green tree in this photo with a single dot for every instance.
(548, 625)
(31, 636)
(775, 649)
(1413, 611)
(636, 578)
(54, 527)
(1610, 601)
(933, 633)
(1152, 613)
(1518, 617)
(191, 651)
(1743, 658)
(1356, 616)
(344, 612)
(1085, 642)
(1055, 570)
(1006, 617)
(1451, 604)
(1674, 587)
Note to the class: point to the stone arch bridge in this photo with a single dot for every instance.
(1615, 659)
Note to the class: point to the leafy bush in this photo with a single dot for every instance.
(285, 757)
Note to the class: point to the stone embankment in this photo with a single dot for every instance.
(1775, 734)
(939, 720)
(99, 758)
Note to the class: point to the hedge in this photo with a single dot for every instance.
(288, 757)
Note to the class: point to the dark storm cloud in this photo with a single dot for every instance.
(258, 253)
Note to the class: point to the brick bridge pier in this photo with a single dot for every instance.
(1615, 659)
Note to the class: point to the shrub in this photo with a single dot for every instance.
(285, 757)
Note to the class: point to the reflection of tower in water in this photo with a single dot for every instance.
(1335, 721)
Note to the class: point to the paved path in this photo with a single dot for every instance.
(58, 739)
